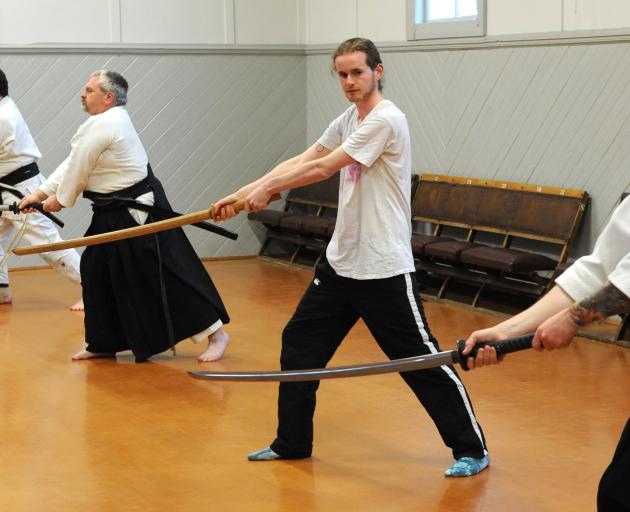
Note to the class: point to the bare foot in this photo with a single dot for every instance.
(5, 296)
(86, 354)
(217, 342)
(78, 306)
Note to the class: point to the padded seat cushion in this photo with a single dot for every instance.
(449, 251)
(292, 222)
(419, 242)
(308, 224)
(319, 226)
(506, 260)
(269, 217)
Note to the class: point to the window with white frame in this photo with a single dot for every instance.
(431, 19)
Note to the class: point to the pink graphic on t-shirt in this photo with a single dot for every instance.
(353, 173)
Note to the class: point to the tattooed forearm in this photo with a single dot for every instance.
(606, 302)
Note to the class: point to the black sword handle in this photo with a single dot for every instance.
(502, 347)
(40, 208)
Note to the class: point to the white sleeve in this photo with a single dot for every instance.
(585, 277)
(609, 261)
(620, 277)
(332, 137)
(92, 138)
(50, 186)
(369, 141)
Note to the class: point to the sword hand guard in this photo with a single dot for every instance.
(502, 347)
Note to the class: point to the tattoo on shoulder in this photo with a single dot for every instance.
(319, 148)
(599, 306)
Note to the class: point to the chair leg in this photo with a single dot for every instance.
(264, 246)
(319, 256)
(295, 253)
(442, 290)
(624, 325)
(475, 301)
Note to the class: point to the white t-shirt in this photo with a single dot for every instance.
(372, 237)
(609, 261)
(107, 155)
(17, 147)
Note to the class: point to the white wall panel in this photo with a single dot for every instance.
(268, 22)
(55, 21)
(523, 17)
(331, 21)
(381, 21)
(275, 21)
(596, 14)
(152, 21)
(165, 21)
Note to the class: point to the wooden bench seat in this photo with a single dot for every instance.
(474, 224)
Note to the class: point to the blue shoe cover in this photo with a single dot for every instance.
(467, 466)
(264, 454)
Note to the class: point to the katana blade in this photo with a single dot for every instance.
(395, 366)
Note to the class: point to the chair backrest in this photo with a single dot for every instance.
(536, 212)
(324, 193)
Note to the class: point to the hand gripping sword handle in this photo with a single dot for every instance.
(502, 347)
(37, 206)
(239, 205)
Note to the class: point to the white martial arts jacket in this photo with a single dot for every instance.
(107, 155)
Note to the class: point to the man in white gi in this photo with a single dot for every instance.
(593, 288)
(370, 271)
(18, 170)
(146, 293)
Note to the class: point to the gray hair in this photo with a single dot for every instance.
(110, 81)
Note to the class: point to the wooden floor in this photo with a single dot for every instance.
(112, 435)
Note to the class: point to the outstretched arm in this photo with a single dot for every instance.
(554, 319)
(299, 175)
(315, 152)
(558, 331)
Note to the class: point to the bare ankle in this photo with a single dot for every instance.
(86, 354)
(5, 295)
(217, 342)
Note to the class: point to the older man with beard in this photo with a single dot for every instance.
(146, 293)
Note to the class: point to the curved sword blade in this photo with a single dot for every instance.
(398, 365)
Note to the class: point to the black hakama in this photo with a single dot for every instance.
(145, 293)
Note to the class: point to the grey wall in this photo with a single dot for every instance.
(555, 115)
(210, 122)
